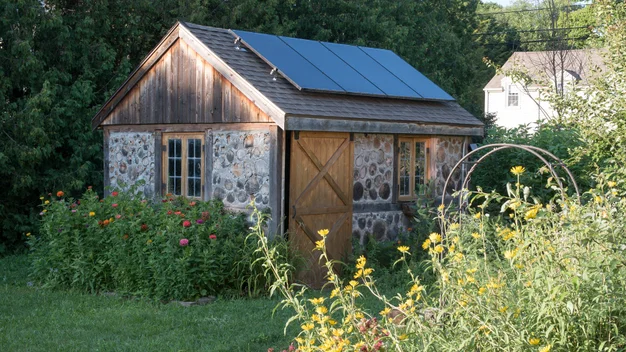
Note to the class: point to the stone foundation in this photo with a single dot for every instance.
(241, 168)
(131, 158)
(382, 225)
(373, 168)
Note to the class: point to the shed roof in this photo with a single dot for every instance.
(579, 63)
(295, 104)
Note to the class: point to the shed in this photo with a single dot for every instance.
(322, 135)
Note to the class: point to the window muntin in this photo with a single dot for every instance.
(512, 98)
(412, 167)
(183, 170)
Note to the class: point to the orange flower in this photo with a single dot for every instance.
(125, 237)
(60, 194)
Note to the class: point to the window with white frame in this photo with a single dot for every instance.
(412, 167)
(512, 98)
(183, 161)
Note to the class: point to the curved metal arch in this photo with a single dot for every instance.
(501, 146)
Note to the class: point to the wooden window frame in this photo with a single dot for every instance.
(184, 137)
(427, 144)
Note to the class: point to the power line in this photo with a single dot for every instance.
(527, 10)
(535, 41)
(532, 30)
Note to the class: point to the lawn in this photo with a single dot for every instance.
(32, 319)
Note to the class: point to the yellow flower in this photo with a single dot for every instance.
(91, 213)
(612, 184)
(458, 257)
(504, 309)
(471, 271)
(149, 241)
(319, 245)
(439, 248)
(510, 254)
(46, 202)
(441, 207)
(332, 322)
(402, 337)
(353, 283)
(528, 284)
(435, 237)
(368, 271)
(481, 291)
(385, 311)
(477, 216)
(358, 274)
(518, 170)
(45, 210)
(317, 301)
(321, 310)
(40, 198)
(28, 234)
(545, 348)
(426, 244)
(307, 326)
(532, 213)
(323, 232)
(337, 332)
(360, 263)
(533, 341)
(476, 235)
(334, 292)
(403, 249)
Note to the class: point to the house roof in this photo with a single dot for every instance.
(285, 99)
(578, 63)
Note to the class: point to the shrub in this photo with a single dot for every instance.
(174, 249)
(544, 278)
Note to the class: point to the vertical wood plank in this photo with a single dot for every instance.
(182, 83)
(227, 110)
(158, 164)
(275, 176)
(217, 97)
(105, 146)
(173, 84)
(208, 164)
(199, 88)
(191, 85)
(208, 95)
(395, 185)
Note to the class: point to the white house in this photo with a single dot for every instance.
(516, 101)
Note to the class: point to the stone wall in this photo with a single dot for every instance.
(373, 186)
(449, 151)
(241, 168)
(373, 168)
(131, 158)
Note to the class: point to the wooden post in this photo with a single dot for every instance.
(208, 164)
(158, 164)
(275, 176)
(105, 145)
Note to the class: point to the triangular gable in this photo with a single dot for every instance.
(183, 81)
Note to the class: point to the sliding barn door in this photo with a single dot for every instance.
(320, 198)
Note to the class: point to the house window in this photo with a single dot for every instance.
(513, 97)
(412, 167)
(183, 172)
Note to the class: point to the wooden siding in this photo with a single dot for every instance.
(183, 88)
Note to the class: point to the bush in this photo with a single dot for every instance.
(174, 249)
(544, 278)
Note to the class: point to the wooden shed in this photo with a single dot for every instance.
(322, 135)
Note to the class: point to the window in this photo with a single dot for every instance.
(183, 165)
(512, 97)
(412, 167)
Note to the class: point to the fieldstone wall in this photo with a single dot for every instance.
(131, 158)
(241, 168)
(373, 168)
(449, 151)
(384, 225)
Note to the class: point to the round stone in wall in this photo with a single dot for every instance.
(372, 169)
(378, 180)
(230, 156)
(373, 194)
(230, 198)
(249, 141)
(361, 223)
(228, 184)
(368, 183)
(252, 185)
(357, 191)
(379, 229)
(359, 161)
(219, 193)
(242, 197)
(384, 191)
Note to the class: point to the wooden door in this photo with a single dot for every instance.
(320, 197)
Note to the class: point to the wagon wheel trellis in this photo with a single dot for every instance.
(541, 154)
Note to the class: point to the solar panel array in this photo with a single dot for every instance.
(338, 68)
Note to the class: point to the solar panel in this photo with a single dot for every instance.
(292, 65)
(332, 66)
(339, 68)
(409, 75)
(372, 70)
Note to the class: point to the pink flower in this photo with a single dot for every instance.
(183, 242)
(73, 210)
(212, 236)
(118, 216)
(114, 205)
(186, 223)
(199, 221)
(114, 193)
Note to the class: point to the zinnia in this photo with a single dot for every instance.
(114, 193)
(114, 205)
(199, 221)
(60, 194)
(186, 223)
(212, 236)
(183, 242)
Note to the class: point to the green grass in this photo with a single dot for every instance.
(32, 319)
